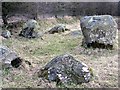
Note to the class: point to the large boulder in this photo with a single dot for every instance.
(58, 29)
(99, 31)
(67, 70)
(9, 58)
(29, 29)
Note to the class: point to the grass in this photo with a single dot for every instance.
(5, 71)
(57, 45)
(45, 24)
(7, 42)
(39, 52)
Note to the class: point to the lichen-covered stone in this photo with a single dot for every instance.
(29, 29)
(99, 29)
(58, 29)
(66, 70)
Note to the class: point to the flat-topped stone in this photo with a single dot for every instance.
(99, 29)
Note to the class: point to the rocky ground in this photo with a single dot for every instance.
(104, 63)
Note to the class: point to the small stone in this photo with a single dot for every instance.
(58, 29)
(6, 34)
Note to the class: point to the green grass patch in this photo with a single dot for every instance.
(57, 46)
(7, 42)
(66, 21)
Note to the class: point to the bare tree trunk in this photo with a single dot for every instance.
(4, 13)
(36, 12)
(4, 20)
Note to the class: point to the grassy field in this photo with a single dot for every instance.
(39, 52)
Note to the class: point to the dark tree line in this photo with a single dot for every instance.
(119, 8)
(11, 8)
(34, 9)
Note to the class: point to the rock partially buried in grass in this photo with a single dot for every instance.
(65, 69)
(99, 31)
(9, 58)
(29, 29)
(58, 29)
